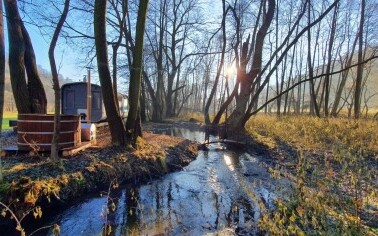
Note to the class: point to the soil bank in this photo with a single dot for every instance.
(31, 181)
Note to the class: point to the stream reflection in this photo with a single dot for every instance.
(216, 193)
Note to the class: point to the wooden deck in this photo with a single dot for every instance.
(65, 152)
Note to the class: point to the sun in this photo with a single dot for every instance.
(230, 70)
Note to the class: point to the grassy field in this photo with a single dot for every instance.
(306, 132)
(6, 117)
(333, 163)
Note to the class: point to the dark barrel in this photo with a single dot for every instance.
(35, 131)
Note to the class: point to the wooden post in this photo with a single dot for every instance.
(89, 96)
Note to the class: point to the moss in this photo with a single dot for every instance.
(4, 189)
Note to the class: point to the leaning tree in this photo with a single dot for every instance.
(117, 129)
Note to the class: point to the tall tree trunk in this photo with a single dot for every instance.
(115, 47)
(310, 68)
(360, 68)
(143, 103)
(114, 69)
(2, 77)
(29, 96)
(344, 77)
(220, 66)
(176, 92)
(117, 129)
(133, 129)
(279, 100)
(36, 91)
(56, 87)
(159, 104)
(328, 70)
(16, 57)
(169, 98)
(248, 82)
(2, 67)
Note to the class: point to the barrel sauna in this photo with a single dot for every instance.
(35, 131)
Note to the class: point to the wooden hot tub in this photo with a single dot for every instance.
(35, 131)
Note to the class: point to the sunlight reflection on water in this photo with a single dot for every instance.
(216, 193)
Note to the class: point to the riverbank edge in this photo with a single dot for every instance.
(124, 165)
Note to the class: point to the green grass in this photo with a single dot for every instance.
(6, 118)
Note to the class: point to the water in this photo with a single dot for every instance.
(219, 193)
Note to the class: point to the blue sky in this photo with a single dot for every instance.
(64, 55)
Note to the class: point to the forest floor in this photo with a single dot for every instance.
(33, 180)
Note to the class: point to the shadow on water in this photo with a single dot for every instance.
(219, 192)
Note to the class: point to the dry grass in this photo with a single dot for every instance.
(335, 174)
(309, 132)
(191, 115)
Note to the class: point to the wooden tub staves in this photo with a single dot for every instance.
(35, 131)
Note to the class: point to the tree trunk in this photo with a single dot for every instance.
(29, 96)
(16, 57)
(56, 87)
(159, 104)
(2, 68)
(249, 83)
(116, 46)
(117, 129)
(344, 75)
(328, 70)
(151, 93)
(310, 69)
(220, 66)
(2, 77)
(143, 102)
(158, 113)
(133, 129)
(114, 69)
(36, 91)
(169, 98)
(360, 67)
(176, 93)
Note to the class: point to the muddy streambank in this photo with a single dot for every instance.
(31, 181)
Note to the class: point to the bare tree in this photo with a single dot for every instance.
(116, 126)
(249, 82)
(133, 129)
(329, 62)
(55, 79)
(223, 43)
(2, 66)
(310, 67)
(360, 69)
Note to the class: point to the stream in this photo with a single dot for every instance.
(218, 193)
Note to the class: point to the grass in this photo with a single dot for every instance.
(307, 132)
(335, 176)
(191, 115)
(6, 117)
(198, 116)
